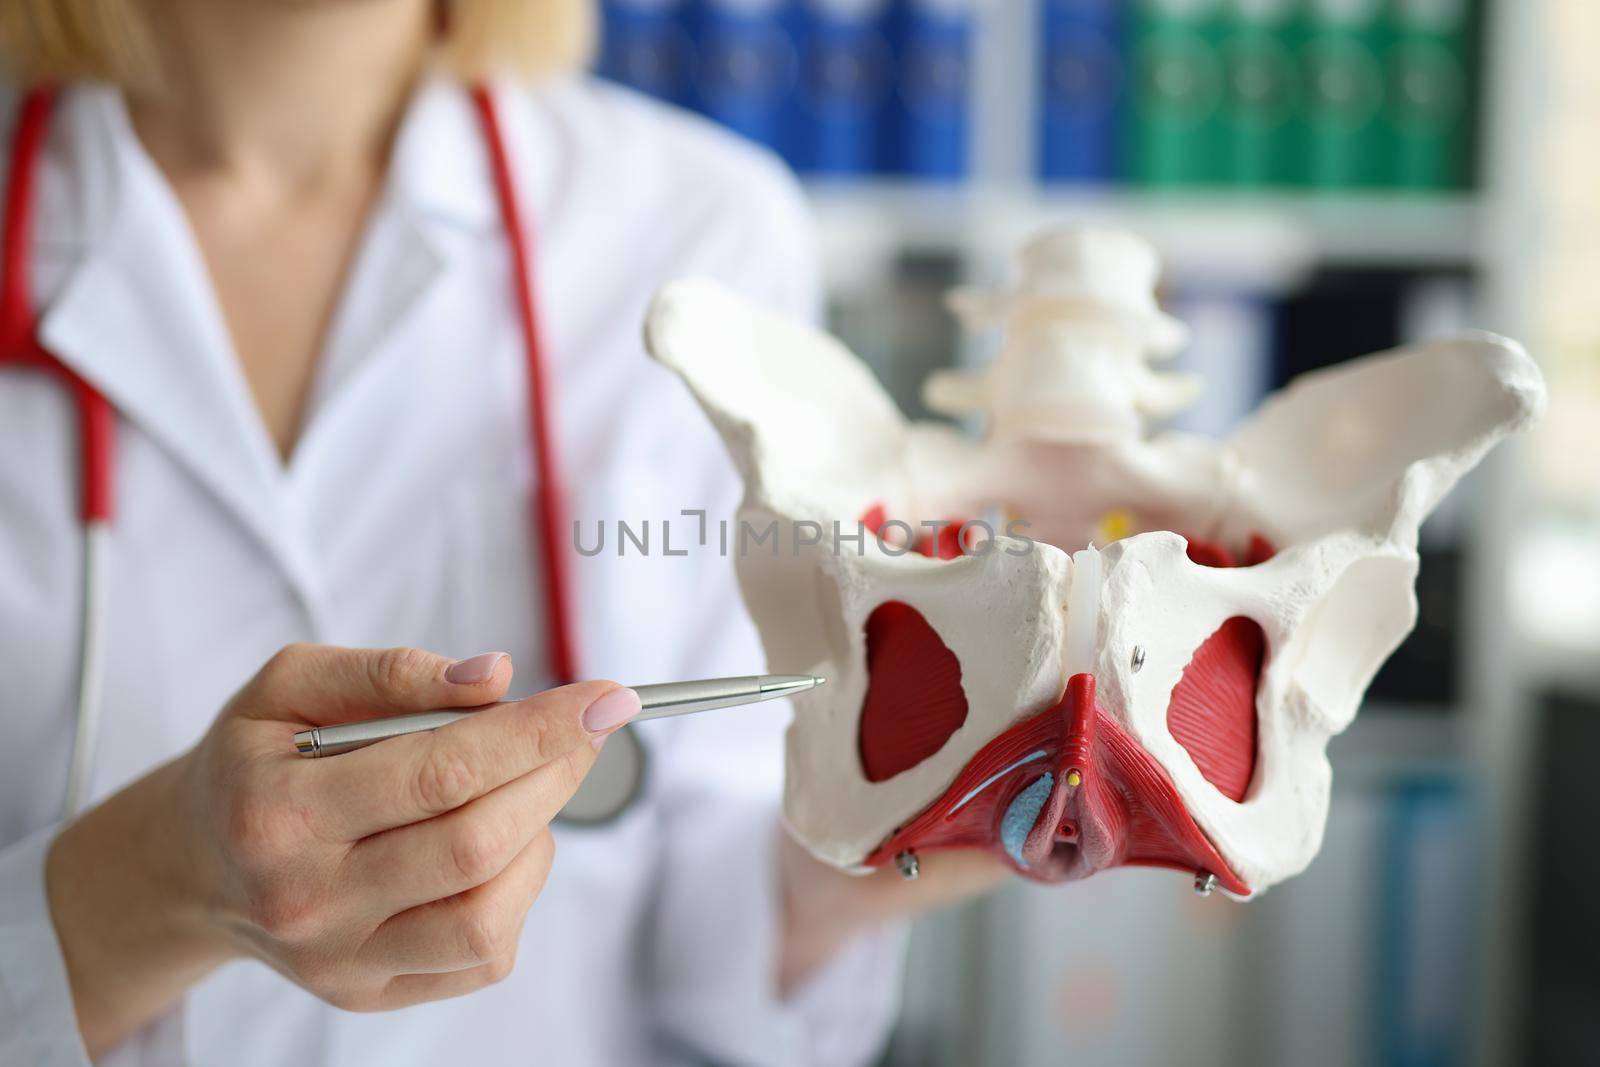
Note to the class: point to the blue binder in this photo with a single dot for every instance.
(1081, 81)
(644, 46)
(933, 40)
(1425, 938)
(846, 70)
(745, 67)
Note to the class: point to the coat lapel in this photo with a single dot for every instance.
(136, 316)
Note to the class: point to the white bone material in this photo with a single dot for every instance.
(1338, 471)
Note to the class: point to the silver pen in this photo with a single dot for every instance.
(659, 701)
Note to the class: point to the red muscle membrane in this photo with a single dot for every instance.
(1110, 803)
(1215, 554)
(1208, 553)
(914, 697)
(1212, 713)
(945, 542)
(1259, 551)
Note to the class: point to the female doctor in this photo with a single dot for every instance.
(300, 324)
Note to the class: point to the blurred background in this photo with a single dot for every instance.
(1325, 178)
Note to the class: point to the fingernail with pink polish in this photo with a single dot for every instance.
(611, 711)
(474, 671)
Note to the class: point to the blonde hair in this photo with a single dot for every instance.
(107, 40)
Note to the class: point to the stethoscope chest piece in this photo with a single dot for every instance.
(613, 783)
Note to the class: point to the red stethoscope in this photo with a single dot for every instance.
(19, 344)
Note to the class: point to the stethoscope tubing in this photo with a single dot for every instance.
(91, 662)
(549, 502)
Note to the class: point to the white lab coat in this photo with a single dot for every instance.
(401, 519)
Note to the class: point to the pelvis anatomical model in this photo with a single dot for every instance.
(1145, 660)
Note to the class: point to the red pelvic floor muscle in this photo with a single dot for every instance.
(914, 697)
(1123, 811)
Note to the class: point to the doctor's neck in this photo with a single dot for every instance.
(292, 94)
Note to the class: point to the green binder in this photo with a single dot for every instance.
(1342, 58)
(1261, 92)
(1176, 134)
(1431, 113)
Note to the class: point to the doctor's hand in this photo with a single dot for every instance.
(393, 874)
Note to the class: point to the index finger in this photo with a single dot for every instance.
(418, 776)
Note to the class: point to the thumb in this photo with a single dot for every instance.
(325, 684)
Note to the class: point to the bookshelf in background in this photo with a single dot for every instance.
(1328, 94)
(839, 88)
(1333, 95)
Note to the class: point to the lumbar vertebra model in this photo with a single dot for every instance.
(1079, 329)
(1151, 674)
